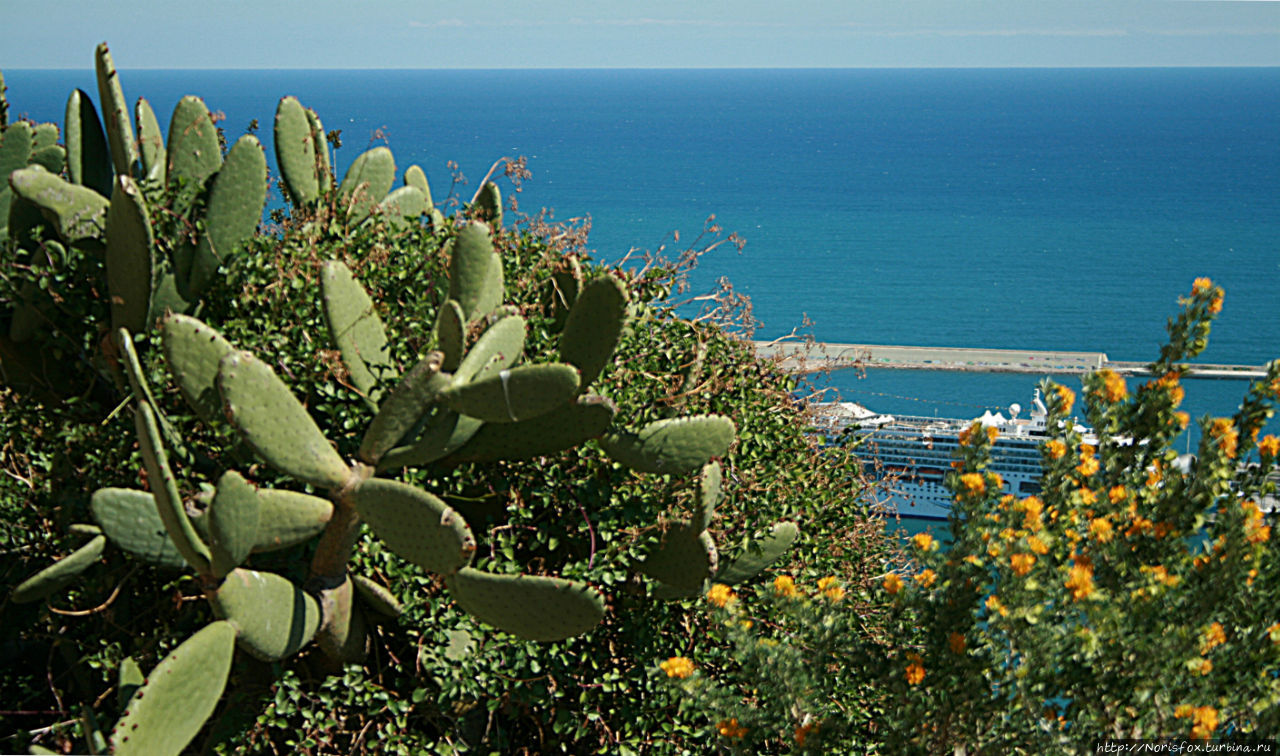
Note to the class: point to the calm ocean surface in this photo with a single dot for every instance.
(1041, 209)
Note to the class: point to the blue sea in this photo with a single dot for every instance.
(1016, 208)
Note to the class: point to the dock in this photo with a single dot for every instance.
(813, 357)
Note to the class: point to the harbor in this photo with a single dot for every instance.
(816, 356)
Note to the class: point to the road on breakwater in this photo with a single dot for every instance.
(812, 357)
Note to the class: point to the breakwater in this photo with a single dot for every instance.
(812, 357)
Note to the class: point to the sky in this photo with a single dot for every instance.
(640, 34)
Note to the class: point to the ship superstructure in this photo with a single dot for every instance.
(909, 456)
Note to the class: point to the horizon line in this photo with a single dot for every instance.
(672, 68)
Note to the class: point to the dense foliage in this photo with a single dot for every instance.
(1134, 597)
(436, 679)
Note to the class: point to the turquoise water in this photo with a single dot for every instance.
(1048, 209)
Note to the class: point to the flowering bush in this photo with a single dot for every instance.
(1135, 596)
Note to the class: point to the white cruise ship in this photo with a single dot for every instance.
(909, 456)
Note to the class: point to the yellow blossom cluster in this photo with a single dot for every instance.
(1113, 388)
(830, 588)
(994, 605)
(678, 667)
(1037, 545)
(893, 582)
(974, 484)
(915, 670)
(1223, 430)
(1055, 448)
(1088, 463)
(1080, 578)
(1269, 446)
(1204, 719)
(721, 595)
(1211, 637)
(1101, 530)
(1066, 396)
(785, 586)
(1254, 530)
(926, 577)
(1117, 494)
(730, 728)
(924, 541)
(1161, 575)
(1022, 563)
(1170, 382)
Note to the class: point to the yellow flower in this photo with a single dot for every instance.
(1088, 497)
(915, 670)
(1117, 494)
(892, 582)
(1161, 574)
(1088, 466)
(974, 484)
(1169, 382)
(678, 667)
(956, 642)
(1008, 534)
(1183, 711)
(994, 605)
(1066, 396)
(926, 577)
(785, 586)
(923, 541)
(1113, 388)
(1183, 418)
(1255, 533)
(1204, 666)
(1215, 305)
(1204, 721)
(1201, 286)
(1100, 529)
(730, 728)
(1037, 545)
(1269, 446)
(1022, 563)
(831, 589)
(721, 595)
(1224, 430)
(1211, 637)
(1080, 580)
(1055, 448)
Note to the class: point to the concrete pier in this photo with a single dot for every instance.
(817, 356)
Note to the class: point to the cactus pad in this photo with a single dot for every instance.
(415, 525)
(708, 494)
(130, 519)
(233, 522)
(444, 434)
(472, 281)
(532, 607)
(488, 204)
(193, 351)
(275, 423)
(497, 349)
(76, 212)
(234, 208)
(517, 394)
(594, 326)
(151, 150)
(59, 575)
(88, 161)
(180, 694)
(414, 176)
(165, 490)
(367, 181)
(673, 446)
(115, 113)
(405, 203)
(403, 408)
(562, 428)
(356, 329)
(759, 554)
(684, 559)
(273, 617)
(194, 153)
(449, 334)
(130, 256)
(377, 597)
(288, 518)
(296, 155)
